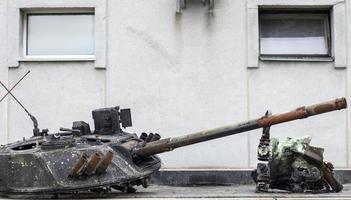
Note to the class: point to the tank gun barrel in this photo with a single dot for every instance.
(169, 144)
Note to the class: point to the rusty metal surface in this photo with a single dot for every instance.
(265, 121)
(92, 164)
(106, 161)
(77, 168)
(329, 177)
(304, 112)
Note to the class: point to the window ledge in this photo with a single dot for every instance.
(48, 59)
(297, 58)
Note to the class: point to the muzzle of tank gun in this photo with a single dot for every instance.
(77, 168)
(304, 112)
(105, 162)
(90, 167)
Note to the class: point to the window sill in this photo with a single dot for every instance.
(56, 59)
(297, 58)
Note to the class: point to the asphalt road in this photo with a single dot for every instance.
(156, 192)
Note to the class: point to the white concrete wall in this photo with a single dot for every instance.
(56, 94)
(181, 74)
(348, 75)
(3, 69)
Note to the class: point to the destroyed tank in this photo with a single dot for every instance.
(78, 159)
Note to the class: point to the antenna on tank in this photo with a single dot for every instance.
(36, 131)
(13, 87)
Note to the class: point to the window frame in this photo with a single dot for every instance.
(53, 11)
(324, 14)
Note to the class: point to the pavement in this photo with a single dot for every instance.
(161, 192)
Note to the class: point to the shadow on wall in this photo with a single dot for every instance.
(194, 20)
(183, 4)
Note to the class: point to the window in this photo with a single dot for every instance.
(294, 34)
(58, 35)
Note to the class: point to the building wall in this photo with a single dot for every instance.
(183, 74)
(179, 74)
(3, 70)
